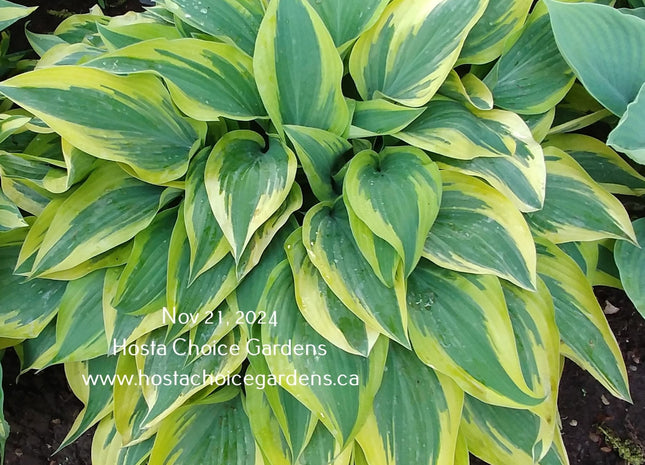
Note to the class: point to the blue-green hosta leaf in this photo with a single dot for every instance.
(604, 165)
(207, 242)
(586, 336)
(299, 80)
(328, 237)
(501, 19)
(411, 49)
(114, 205)
(631, 263)
(468, 89)
(628, 136)
(381, 117)
(11, 12)
(478, 230)
(26, 307)
(576, 208)
(205, 371)
(232, 21)
(475, 346)
(97, 398)
(531, 76)
(212, 431)
(205, 79)
(10, 216)
(247, 183)
(378, 184)
(454, 130)
(80, 331)
(204, 294)
(501, 435)
(415, 415)
(142, 283)
(80, 104)
(343, 404)
(604, 47)
(318, 152)
(347, 20)
(320, 306)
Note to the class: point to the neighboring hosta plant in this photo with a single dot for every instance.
(377, 212)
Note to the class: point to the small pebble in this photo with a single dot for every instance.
(610, 309)
(594, 437)
(56, 421)
(573, 422)
(633, 368)
(606, 449)
(18, 452)
(604, 400)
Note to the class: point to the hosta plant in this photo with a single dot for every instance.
(312, 232)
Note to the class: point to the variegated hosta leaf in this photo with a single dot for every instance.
(41, 43)
(207, 243)
(521, 177)
(295, 420)
(232, 21)
(540, 124)
(382, 257)
(323, 446)
(320, 306)
(194, 300)
(611, 70)
(81, 27)
(631, 263)
(25, 306)
(246, 184)
(501, 19)
(205, 371)
(501, 435)
(79, 165)
(38, 352)
(66, 54)
(212, 431)
(604, 165)
(96, 397)
(263, 237)
(328, 237)
(12, 12)
(576, 208)
(478, 230)
(108, 209)
(345, 21)
(627, 136)
(26, 194)
(531, 76)
(557, 454)
(142, 283)
(606, 272)
(10, 216)
(80, 334)
(453, 129)
(341, 404)
(415, 415)
(468, 89)
(246, 297)
(135, 454)
(205, 79)
(585, 254)
(265, 426)
(299, 80)
(318, 152)
(106, 442)
(80, 104)
(411, 49)
(118, 36)
(538, 344)
(586, 336)
(475, 346)
(381, 117)
(377, 185)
